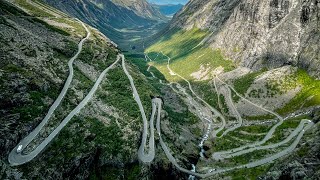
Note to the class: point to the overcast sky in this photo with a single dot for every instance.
(168, 1)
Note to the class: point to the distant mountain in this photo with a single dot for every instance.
(168, 9)
(140, 7)
(120, 20)
(162, 2)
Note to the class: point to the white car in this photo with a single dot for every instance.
(19, 149)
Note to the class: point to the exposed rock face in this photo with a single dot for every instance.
(256, 34)
(140, 7)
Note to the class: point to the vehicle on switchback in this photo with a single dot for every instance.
(19, 149)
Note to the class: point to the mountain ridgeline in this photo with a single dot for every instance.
(121, 20)
(168, 9)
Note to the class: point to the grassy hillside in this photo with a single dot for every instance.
(187, 54)
(308, 96)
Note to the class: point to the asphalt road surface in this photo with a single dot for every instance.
(17, 157)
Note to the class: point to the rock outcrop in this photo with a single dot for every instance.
(256, 34)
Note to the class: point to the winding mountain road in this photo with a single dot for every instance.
(16, 157)
(218, 155)
(227, 93)
(146, 158)
(215, 111)
(299, 132)
(167, 151)
(260, 162)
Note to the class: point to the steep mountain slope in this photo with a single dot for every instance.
(141, 8)
(208, 38)
(258, 63)
(168, 9)
(121, 20)
(101, 141)
(258, 34)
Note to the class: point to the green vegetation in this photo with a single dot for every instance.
(91, 52)
(39, 11)
(181, 118)
(140, 63)
(34, 107)
(12, 68)
(242, 84)
(120, 95)
(28, 113)
(173, 116)
(178, 43)
(86, 83)
(225, 143)
(9, 9)
(254, 129)
(261, 117)
(206, 90)
(246, 133)
(106, 173)
(76, 26)
(248, 137)
(249, 157)
(108, 137)
(116, 92)
(33, 10)
(41, 4)
(307, 97)
(287, 126)
(184, 50)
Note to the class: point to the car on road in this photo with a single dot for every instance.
(19, 149)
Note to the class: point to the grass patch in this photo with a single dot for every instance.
(242, 84)
(308, 96)
(35, 11)
(260, 117)
(7, 8)
(225, 143)
(280, 133)
(182, 47)
(173, 116)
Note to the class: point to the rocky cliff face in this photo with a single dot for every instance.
(256, 34)
(141, 8)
